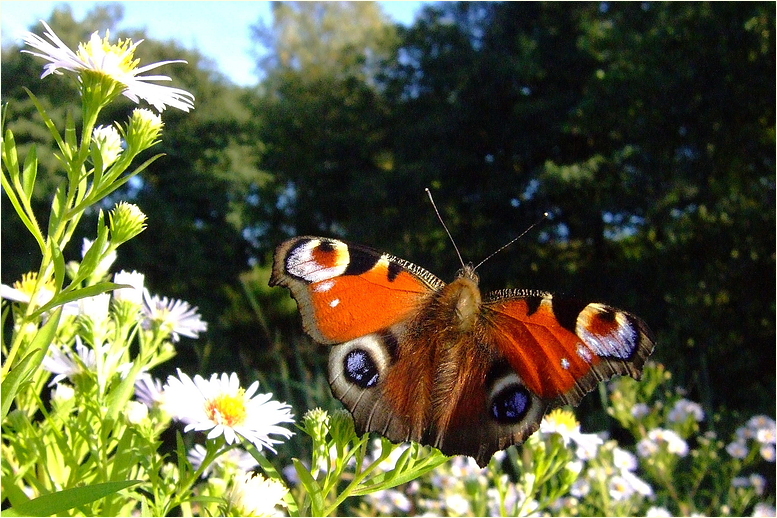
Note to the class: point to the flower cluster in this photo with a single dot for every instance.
(562, 471)
(758, 433)
(92, 338)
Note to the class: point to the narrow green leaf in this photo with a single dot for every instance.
(70, 296)
(31, 224)
(99, 167)
(111, 184)
(95, 253)
(47, 120)
(71, 140)
(21, 371)
(312, 486)
(10, 159)
(57, 208)
(118, 398)
(58, 259)
(30, 172)
(13, 493)
(61, 501)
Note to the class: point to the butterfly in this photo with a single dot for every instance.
(416, 359)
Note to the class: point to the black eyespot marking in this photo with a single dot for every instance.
(360, 369)
(326, 246)
(360, 261)
(511, 404)
(394, 269)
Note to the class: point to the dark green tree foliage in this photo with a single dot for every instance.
(324, 119)
(647, 130)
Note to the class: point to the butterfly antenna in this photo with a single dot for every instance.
(461, 260)
(545, 215)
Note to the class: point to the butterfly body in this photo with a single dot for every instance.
(443, 364)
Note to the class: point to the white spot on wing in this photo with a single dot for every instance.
(324, 286)
(564, 363)
(334, 303)
(584, 352)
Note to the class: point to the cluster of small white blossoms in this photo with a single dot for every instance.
(455, 480)
(174, 318)
(758, 432)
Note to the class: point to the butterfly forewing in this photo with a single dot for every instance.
(561, 347)
(345, 291)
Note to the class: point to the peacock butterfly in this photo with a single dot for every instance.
(442, 364)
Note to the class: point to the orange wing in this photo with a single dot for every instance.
(345, 291)
(561, 348)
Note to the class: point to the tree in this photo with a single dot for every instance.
(324, 134)
(645, 129)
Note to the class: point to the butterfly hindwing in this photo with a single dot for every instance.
(433, 391)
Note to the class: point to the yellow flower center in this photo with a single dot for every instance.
(563, 419)
(114, 60)
(227, 409)
(28, 286)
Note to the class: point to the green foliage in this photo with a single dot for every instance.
(646, 130)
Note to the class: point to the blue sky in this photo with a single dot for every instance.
(220, 30)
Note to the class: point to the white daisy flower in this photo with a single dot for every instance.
(222, 408)
(133, 279)
(62, 392)
(683, 409)
(24, 291)
(69, 364)
(115, 61)
(768, 452)
(640, 410)
(254, 495)
(762, 509)
(658, 512)
(737, 449)
(136, 412)
(66, 364)
(148, 390)
(173, 316)
(564, 423)
(620, 488)
(95, 308)
(624, 460)
(658, 437)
